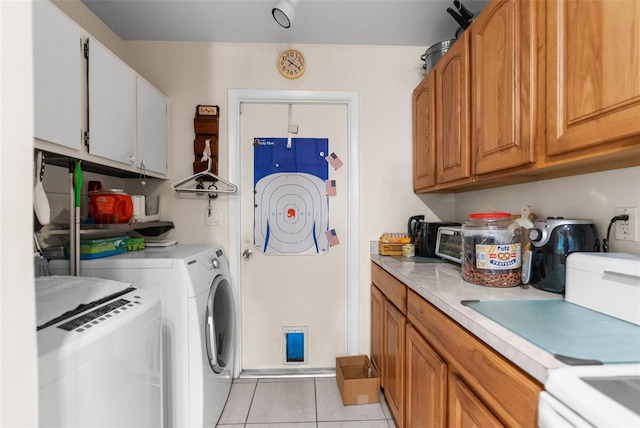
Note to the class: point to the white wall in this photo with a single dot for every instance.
(200, 73)
(18, 356)
(589, 196)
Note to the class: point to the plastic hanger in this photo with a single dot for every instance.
(199, 189)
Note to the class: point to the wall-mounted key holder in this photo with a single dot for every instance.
(205, 124)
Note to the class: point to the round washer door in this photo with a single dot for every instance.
(219, 324)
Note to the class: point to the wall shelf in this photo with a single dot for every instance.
(151, 228)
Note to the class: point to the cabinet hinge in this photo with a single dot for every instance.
(86, 49)
(86, 138)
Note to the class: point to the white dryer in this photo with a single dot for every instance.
(198, 323)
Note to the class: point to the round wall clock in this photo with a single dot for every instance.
(291, 64)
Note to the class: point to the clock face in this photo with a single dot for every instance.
(291, 64)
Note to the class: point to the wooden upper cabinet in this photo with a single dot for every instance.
(424, 137)
(503, 80)
(593, 73)
(452, 113)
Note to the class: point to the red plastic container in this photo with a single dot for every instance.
(110, 207)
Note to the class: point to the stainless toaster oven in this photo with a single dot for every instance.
(449, 243)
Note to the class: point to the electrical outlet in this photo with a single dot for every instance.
(627, 230)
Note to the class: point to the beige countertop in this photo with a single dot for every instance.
(442, 285)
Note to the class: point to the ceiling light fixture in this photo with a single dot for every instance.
(284, 12)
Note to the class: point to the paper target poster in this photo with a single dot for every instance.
(291, 206)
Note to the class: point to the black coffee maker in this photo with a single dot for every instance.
(424, 234)
(552, 240)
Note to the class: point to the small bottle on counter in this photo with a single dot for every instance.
(492, 250)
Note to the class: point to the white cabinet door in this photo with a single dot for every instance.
(111, 106)
(57, 76)
(152, 128)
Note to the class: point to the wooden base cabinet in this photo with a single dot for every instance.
(466, 410)
(388, 332)
(377, 330)
(426, 384)
(394, 344)
(484, 389)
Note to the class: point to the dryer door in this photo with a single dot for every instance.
(219, 324)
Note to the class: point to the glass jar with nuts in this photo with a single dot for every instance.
(491, 250)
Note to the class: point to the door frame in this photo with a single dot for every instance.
(235, 99)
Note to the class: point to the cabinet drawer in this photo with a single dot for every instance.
(509, 392)
(393, 289)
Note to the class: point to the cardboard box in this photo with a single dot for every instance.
(358, 380)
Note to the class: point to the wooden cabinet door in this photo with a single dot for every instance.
(426, 384)
(504, 57)
(466, 410)
(593, 73)
(394, 348)
(377, 331)
(452, 113)
(424, 137)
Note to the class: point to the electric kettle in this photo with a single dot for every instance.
(552, 240)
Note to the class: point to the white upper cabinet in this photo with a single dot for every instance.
(83, 88)
(151, 128)
(57, 76)
(112, 106)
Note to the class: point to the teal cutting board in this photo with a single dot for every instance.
(574, 334)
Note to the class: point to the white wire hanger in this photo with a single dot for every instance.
(212, 190)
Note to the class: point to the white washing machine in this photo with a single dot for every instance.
(99, 354)
(198, 323)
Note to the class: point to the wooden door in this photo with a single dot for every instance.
(426, 384)
(452, 113)
(394, 348)
(593, 73)
(377, 330)
(466, 410)
(503, 76)
(424, 137)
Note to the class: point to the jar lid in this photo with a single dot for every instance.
(485, 216)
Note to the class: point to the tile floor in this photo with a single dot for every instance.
(309, 402)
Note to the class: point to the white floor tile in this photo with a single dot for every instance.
(238, 404)
(298, 403)
(330, 407)
(276, 402)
